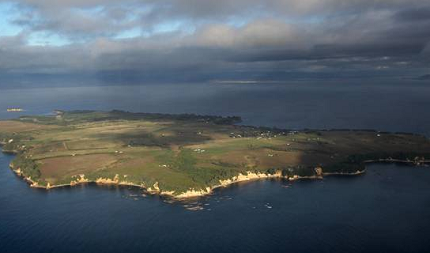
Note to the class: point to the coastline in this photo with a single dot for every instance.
(191, 193)
(195, 193)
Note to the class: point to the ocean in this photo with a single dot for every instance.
(385, 210)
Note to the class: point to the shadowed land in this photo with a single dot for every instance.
(188, 155)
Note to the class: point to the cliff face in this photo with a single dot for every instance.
(80, 180)
(249, 176)
(193, 193)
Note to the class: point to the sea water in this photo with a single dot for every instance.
(385, 210)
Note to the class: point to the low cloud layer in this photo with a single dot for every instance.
(192, 40)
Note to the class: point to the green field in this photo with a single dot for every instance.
(177, 153)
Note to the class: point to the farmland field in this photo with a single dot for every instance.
(176, 154)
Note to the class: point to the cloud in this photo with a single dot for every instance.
(214, 40)
(414, 14)
(261, 33)
(80, 18)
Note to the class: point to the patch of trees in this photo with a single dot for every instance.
(28, 167)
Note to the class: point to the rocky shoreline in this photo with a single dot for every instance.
(191, 193)
(194, 193)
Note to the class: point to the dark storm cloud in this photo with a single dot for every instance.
(197, 40)
(414, 14)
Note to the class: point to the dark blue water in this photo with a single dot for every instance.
(292, 106)
(386, 210)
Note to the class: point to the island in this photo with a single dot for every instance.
(14, 110)
(188, 155)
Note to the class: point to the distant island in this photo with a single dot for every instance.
(14, 110)
(188, 155)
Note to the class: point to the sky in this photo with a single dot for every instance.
(215, 41)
